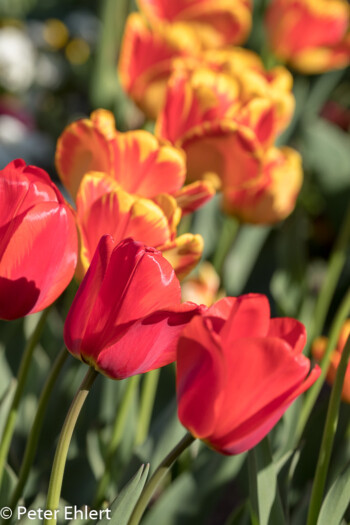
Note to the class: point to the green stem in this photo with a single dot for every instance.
(148, 394)
(117, 434)
(228, 233)
(104, 80)
(55, 486)
(328, 438)
(311, 396)
(21, 380)
(253, 488)
(157, 477)
(32, 442)
(335, 266)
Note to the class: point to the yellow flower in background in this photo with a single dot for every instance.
(203, 287)
(216, 23)
(311, 35)
(274, 199)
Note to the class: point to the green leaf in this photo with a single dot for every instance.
(8, 483)
(124, 504)
(206, 222)
(336, 501)
(265, 493)
(326, 151)
(241, 259)
(5, 403)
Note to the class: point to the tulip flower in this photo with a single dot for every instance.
(127, 317)
(202, 288)
(238, 371)
(104, 208)
(318, 349)
(311, 35)
(136, 160)
(199, 117)
(147, 58)
(274, 199)
(38, 246)
(215, 22)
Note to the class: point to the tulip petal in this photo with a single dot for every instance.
(194, 195)
(249, 317)
(146, 344)
(183, 253)
(21, 187)
(216, 22)
(79, 314)
(145, 167)
(126, 295)
(83, 147)
(52, 271)
(121, 215)
(201, 375)
(146, 60)
(259, 425)
(290, 330)
(261, 372)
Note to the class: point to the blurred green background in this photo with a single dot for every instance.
(57, 63)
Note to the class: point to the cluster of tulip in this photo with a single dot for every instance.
(218, 112)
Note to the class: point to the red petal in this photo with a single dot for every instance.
(260, 371)
(249, 317)
(137, 282)
(147, 344)
(79, 313)
(290, 330)
(41, 249)
(201, 377)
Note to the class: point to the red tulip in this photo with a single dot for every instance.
(126, 317)
(238, 371)
(38, 242)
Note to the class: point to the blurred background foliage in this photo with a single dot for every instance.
(58, 63)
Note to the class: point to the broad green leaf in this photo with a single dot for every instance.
(326, 151)
(336, 501)
(268, 502)
(193, 495)
(93, 450)
(124, 504)
(206, 223)
(243, 256)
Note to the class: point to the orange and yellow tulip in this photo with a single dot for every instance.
(104, 208)
(274, 199)
(311, 35)
(216, 23)
(136, 160)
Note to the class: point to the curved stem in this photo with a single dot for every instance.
(149, 389)
(33, 438)
(311, 396)
(55, 486)
(335, 266)
(21, 380)
(328, 438)
(157, 477)
(117, 433)
(228, 233)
